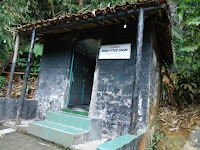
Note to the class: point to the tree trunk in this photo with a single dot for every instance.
(80, 4)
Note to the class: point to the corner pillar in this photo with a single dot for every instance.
(134, 112)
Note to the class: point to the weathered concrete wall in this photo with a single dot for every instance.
(155, 87)
(114, 97)
(150, 90)
(9, 106)
(53, 76)
(113, 84)
(150, 81)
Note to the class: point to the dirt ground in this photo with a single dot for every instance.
(176, 126)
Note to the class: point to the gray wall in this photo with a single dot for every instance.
(150, 82)
(113, 85)
(114, 80)
(113, 96)
(53, 76)
(9, 106)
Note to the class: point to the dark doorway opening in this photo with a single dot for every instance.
(82, 69)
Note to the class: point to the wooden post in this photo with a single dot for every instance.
(23, 92)
(134, 110)
(13, 66)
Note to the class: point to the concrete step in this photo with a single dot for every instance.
(58, 133)
(128, 142)
(75, 112)
(69, 119)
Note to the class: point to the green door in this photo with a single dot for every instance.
(78, 76)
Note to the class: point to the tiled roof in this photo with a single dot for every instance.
(89, 14)
(157, 11)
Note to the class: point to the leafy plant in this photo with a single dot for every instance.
(3, 60)
(22, 59)
(38, 49)
(156, 138)
(21, 62)
(186, 44)
(2, 81)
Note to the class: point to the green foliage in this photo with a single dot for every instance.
(93, 4)
(190, 89)
(186, 41)
(38, 49)
(35, 66)
(23, 55)
(21, 62)
(187, 38)
(156, 138)
(12, 12)
(3, 57)
(2, 81)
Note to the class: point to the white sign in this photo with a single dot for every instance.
(117, 51)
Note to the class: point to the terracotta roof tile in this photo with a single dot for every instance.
(90, 14)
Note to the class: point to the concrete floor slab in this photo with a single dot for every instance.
(6, 131)
(20, 141)
(92, 145)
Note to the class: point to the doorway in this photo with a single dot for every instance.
(82, 69)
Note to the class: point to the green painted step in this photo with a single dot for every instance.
(116, 143)
(69, 119)
(75, 112)
(119, 142)
(56, 133)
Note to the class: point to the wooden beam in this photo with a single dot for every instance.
(117, 21)
(23, 92)
(19, 73)
(13, 66)
(132, 16)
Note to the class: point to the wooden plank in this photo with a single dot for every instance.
(132, 16)
(117, 21)
(20, 73)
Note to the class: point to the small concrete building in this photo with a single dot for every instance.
(100, 74)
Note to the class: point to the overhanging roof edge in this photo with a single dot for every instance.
(92, 20)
